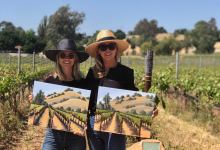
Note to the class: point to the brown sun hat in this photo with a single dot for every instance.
(66, 44)
(106, 36)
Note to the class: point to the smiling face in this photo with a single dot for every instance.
(66, 59)
(108, 51)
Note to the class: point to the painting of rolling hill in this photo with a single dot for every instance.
(124, 112)
(59, 107)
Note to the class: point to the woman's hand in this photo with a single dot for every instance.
(155, 112)
(30, 97)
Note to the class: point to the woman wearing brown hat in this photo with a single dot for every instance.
(67, 58)
(107, 72)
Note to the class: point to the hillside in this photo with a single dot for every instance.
(67, 99)
(137, 103)
(56, 98)
(73, 104)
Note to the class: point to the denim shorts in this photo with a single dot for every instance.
(61, 140)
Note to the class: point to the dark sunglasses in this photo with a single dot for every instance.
(69, 55)
(104, 47)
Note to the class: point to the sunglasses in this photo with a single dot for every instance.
(104, 47)
(66, 55)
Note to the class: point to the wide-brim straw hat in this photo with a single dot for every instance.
(63, 45)
(106, 36)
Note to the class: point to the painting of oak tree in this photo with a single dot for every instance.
(59, 107)
(124, 112)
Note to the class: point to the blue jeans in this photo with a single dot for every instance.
(61, 140)
(103, 140)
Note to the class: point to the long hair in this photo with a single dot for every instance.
(76, 74)
(99, 69)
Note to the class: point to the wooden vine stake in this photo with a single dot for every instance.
(148, 69)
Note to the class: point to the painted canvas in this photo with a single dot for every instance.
(59, 107)
(124, 112)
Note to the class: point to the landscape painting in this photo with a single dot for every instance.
(59, 107)
(124, 112)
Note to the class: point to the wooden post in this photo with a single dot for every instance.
(177, 65)
(200, 61)
(9, 59)
(19, 58)
(33, 62)
(148, 69)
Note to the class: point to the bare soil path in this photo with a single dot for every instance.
(145, 133)
(57, 124)
(43, 122)
(76, 128)
(113, 125)
(126, 128)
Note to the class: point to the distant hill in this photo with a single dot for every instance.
(137, 103)
(67, 99)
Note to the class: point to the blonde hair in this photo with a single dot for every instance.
(99, 69)
(76, 73)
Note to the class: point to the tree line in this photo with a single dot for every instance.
(64, 23)
(203, 37)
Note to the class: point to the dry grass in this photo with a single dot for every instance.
(31, 139)
(177, 134)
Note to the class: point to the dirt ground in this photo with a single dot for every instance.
(31, 139)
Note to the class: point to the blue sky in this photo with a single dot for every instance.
(113, 92)
(113, 14)
(48, 88)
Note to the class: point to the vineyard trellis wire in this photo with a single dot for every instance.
(197, 61)
(35, 60)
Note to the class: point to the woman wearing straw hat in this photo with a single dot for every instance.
(67, 58)
(107, 72)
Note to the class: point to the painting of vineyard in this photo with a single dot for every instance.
(59, 107)
(124, 112)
